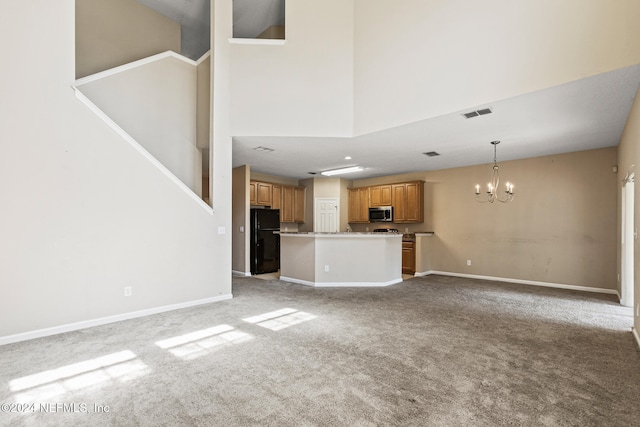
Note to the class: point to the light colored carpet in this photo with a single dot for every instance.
(433, 350)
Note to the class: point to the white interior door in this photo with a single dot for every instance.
(627, 239)
(326, 216)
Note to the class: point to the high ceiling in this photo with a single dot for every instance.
(581, 115)
(586, 114)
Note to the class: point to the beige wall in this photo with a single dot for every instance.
(116, 32)
(561, 228)
(274, 179)
(629, 161)
(416, 59)
(102, 216)
(240, 207)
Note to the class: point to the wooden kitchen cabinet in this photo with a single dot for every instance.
(358, 204)
(252, 193)
(260, 193)
(298, 204)
(408, 258)
(264, 192)
(286, 210)
(288, 199)
(380, 195)
(407, 200)
(292, 207)
(276, 196)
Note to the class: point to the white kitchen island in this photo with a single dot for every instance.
(341, 259)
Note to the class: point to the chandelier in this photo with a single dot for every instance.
(493, 186)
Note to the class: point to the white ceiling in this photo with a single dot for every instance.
(586, 114)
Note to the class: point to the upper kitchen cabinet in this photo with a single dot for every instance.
(286, 209)
(252, 193)
(359, 204)
(289, 199)
(380, 195)
(293, 204)
(407, 200)
(276, 196)
(298, 204)
(261, 193)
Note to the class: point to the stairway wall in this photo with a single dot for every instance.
(84, 213)
(156, 104)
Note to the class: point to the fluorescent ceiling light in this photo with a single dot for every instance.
(341, 171)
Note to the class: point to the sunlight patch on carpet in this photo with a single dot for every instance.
(121, 367)
(199, 343)
(280, 319)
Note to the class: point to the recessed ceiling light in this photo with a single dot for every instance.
(341, 171)
(347, 158)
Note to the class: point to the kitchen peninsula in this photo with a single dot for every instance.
(341, 259)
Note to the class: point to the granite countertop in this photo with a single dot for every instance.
(338, 234)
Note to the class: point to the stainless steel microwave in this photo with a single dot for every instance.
(381, 214)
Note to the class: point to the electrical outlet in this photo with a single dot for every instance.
(366, 229)
(326, 268)
(242, 228)
(128, 291)
(468, 262)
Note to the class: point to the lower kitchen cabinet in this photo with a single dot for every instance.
(408, 257)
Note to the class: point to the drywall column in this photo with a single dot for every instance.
(220, 176)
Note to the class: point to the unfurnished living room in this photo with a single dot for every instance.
(319, 212)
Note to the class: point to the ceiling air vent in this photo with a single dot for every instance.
(431, 153)
(264, 149)
(477, 113)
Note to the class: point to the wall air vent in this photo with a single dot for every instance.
(477, 113)
(431, 153)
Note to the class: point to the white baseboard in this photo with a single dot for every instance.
(340, 284)
(636, 336)
(522, 282)
(240, 273)
(40, 333)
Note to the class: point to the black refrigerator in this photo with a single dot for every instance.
(265, 240)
